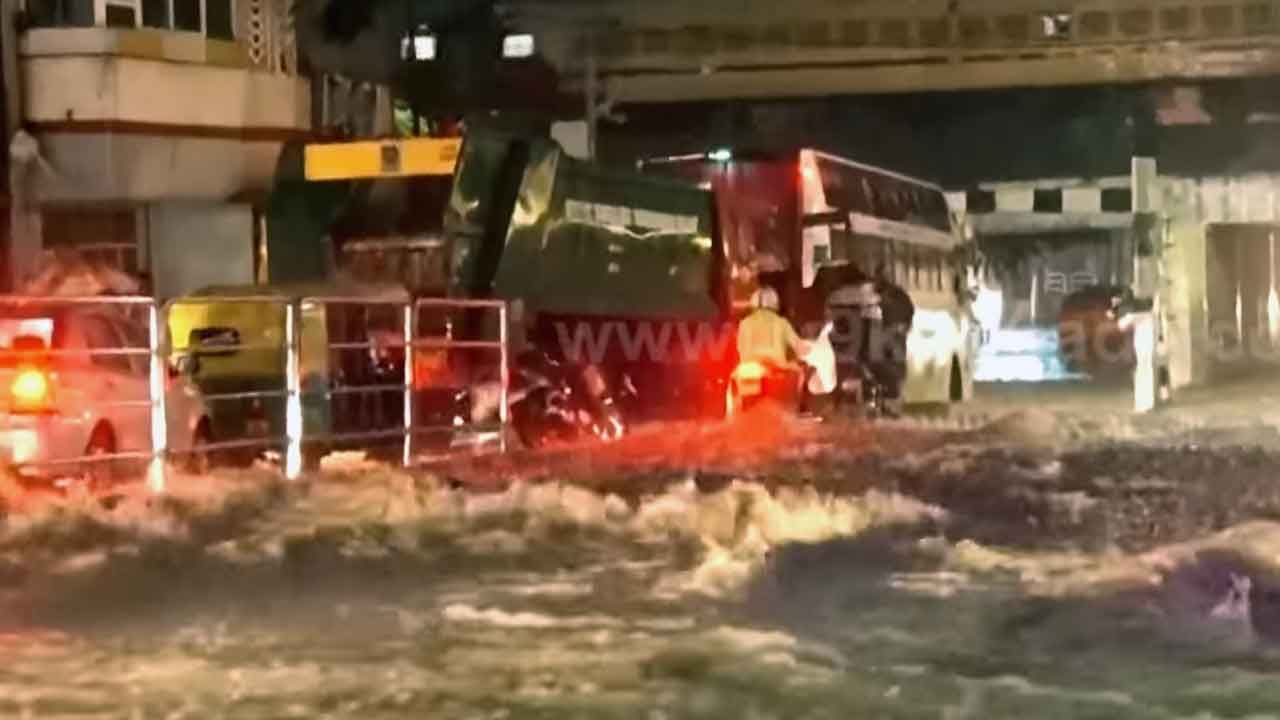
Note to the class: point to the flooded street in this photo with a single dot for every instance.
(974, 578)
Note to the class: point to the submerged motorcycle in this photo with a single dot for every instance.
(551, 402)
(554, 401)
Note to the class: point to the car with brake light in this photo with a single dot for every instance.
(75, 396)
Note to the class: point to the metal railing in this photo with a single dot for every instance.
(290, 439)
(366, 387)
(446, 342)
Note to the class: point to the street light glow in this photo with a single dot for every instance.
(721, 155)
(419, 45)
(518, 46)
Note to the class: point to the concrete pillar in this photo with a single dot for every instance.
(9, 10)
(1146, 391)
(1188, 338)
(23, 159)
(26, 231)
(1151, 375)
(224, 254)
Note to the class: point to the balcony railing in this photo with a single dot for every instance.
(248, 33)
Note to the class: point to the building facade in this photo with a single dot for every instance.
(150, 132)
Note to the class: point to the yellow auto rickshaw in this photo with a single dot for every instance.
(232, 340)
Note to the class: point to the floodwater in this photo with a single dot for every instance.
(372, 594)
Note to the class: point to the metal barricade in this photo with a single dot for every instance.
(446, 342)
(408, 341)
(107, 329)
(356, 388)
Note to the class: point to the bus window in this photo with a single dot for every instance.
(875, 199)
(910, 206)
(864, 201)
(938, 213)
(918, 213)
(884, 201)
(907, 204)
(849, 189)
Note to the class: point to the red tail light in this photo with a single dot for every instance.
(31, 391)
(749, 378)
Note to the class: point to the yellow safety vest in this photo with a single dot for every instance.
(765, 336)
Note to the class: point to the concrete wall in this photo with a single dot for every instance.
(1187, 337)
(193, 245)
(131, 116)
(82, 75)
(127, 168)
(1203, 281)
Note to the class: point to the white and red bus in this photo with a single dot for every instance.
(783, 216)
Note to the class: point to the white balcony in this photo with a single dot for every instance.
(137, 115)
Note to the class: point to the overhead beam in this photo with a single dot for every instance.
(1131, 64)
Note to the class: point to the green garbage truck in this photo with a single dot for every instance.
(611, 267)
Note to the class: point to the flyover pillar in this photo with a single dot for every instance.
(1151, 377)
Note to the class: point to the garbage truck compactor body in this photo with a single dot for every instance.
(610, 269)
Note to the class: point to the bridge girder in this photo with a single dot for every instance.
(1121, 65)
(752, 49)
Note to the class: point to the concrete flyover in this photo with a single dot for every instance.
(666, 50)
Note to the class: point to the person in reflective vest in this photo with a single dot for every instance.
(767, 337)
